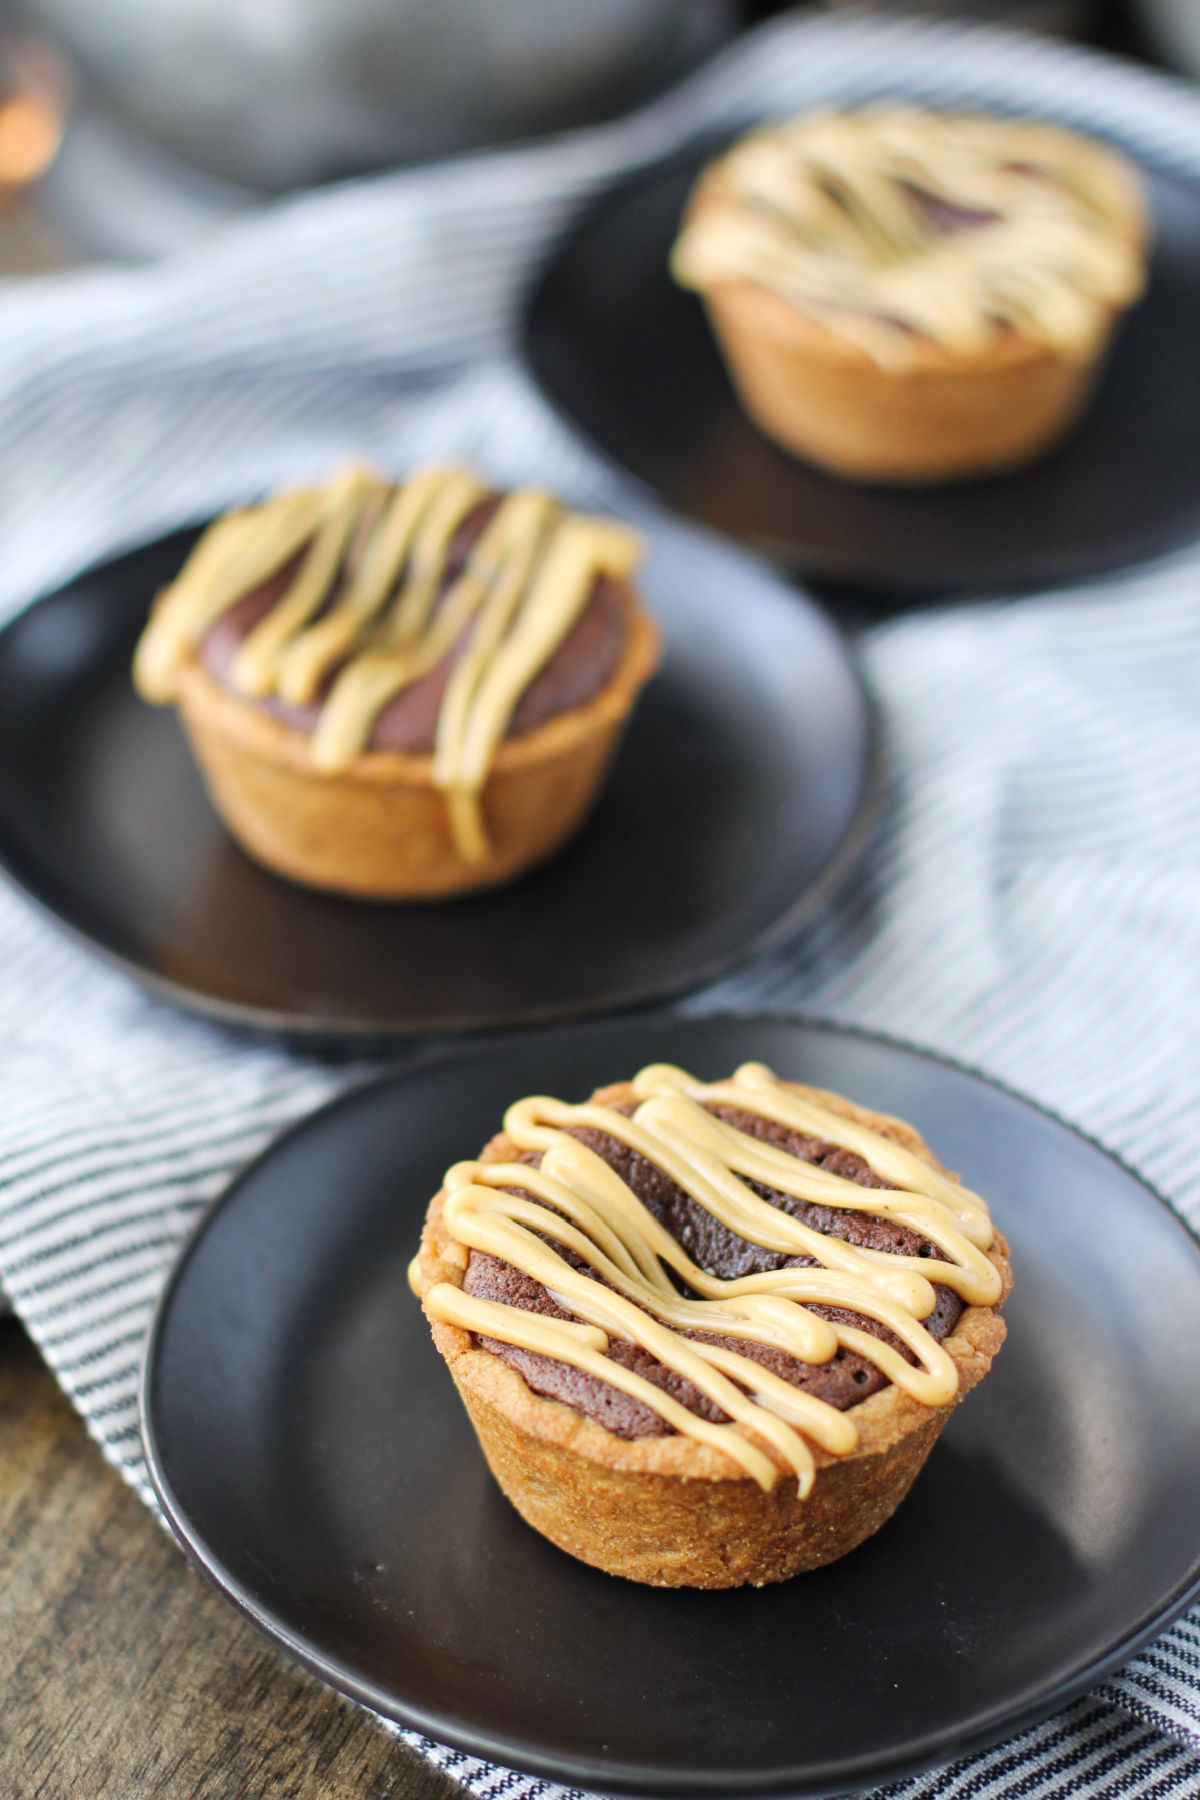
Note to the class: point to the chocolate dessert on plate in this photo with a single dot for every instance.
(910, 296)
(708, 1333)
(403, 692)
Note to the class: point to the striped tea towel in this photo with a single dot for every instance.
(1031, 902)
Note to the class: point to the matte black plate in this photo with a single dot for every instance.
(740, 791)
(630, 358)
(310, 1450)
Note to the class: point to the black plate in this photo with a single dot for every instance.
(310, 1450)
(740, 791)
(629, 356)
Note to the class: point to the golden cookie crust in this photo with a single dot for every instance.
(380, 830)
(672, 1512)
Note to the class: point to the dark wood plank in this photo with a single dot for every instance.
(122, 1673)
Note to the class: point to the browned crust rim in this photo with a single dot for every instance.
(245, 727)
(882, 1420)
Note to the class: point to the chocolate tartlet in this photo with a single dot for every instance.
(402, 692)
(707, 1334)
(912, 296)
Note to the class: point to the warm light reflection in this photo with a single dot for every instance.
(31, 119)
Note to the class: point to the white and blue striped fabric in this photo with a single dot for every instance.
(1032, 901)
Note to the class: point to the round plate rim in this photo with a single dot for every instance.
(1054, 567)
(356, 1033)
(797, 1783)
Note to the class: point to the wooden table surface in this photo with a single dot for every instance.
(122, 1673)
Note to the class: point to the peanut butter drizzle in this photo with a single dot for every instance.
(833, 212)
(583, 1205)
(367, 608)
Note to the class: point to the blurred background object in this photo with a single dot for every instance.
(281, 93)
(31, 118)
(1075, 18)
(192, 108)
(174, 115)
(33, 107)
(1173, 27)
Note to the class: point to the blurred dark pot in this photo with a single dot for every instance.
(279, 93)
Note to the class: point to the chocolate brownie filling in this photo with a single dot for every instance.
(842, 1382)
(949, 216)
(579, 668)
